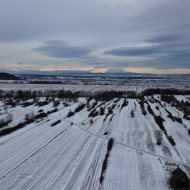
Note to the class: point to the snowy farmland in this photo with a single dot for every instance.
(98, 84)
(64, 145)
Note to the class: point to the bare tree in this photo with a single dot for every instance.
(27, 116)
(9, 117)
(158, 135)
(5, 106)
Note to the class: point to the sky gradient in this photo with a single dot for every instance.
(144, 36)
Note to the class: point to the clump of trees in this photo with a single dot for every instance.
(93, 113)
(52, 111)
(41, 115)
(142, 102)
(159, 120)
(182, 106)
(105, 162)
(125, 103)
(26, 104)
(29, 117)
(157, 108)
(70, 114)
(55, 123)
(159, 138)
(110, 111)
(171, 140)
(5, 121)
(165, 91)
(80, 107)
(108, 95)
(105, 95)
(56, 103)
(132, 113)
(174, 118)
(92, 106)
(110, 144)
(102, 111)
(42, 103)
(150, 110)
(28, 120)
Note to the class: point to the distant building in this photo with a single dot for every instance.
(179, 178)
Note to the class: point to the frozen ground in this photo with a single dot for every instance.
(70, 154)
(99, 84)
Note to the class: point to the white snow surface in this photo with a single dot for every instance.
(69, 156)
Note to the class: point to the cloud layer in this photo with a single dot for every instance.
(101, 34)
(61, 49)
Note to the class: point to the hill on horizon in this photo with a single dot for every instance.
(7, 76)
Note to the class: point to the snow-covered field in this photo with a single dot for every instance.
(70, 154)
(97, 85)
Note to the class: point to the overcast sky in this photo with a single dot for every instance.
(149, 36)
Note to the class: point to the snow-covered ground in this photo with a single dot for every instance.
(70, 154)
(94, 85)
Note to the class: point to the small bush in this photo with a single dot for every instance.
(158, 135)
(55, 123)
(40, 104)
(105, 163)
(93, 113)
(52, 111)
(80, 107)
(93, 105)
(102, 111)
(3, 123)
(15, 128)
(41, 115)
(110, 144)
(56, 103)
(141, 102)
(171, 140)
(70, 114)
(179, 120)
(159, 120)
(29, 121)
(91, 121)
(150, 110)
(132, 113)
(157, 108)
(26, 104)
(125, 103)
(110, 111)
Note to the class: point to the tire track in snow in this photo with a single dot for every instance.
(36, 167)
(127, 146)
(131, 147)
(23, 161)
(61, 164)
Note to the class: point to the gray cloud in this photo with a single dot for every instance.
(164, 25)
(169, 51)
(135, 51)
(61, 49)
(169, 38)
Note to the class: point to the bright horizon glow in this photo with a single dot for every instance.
(140, 70)
(157, 71)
